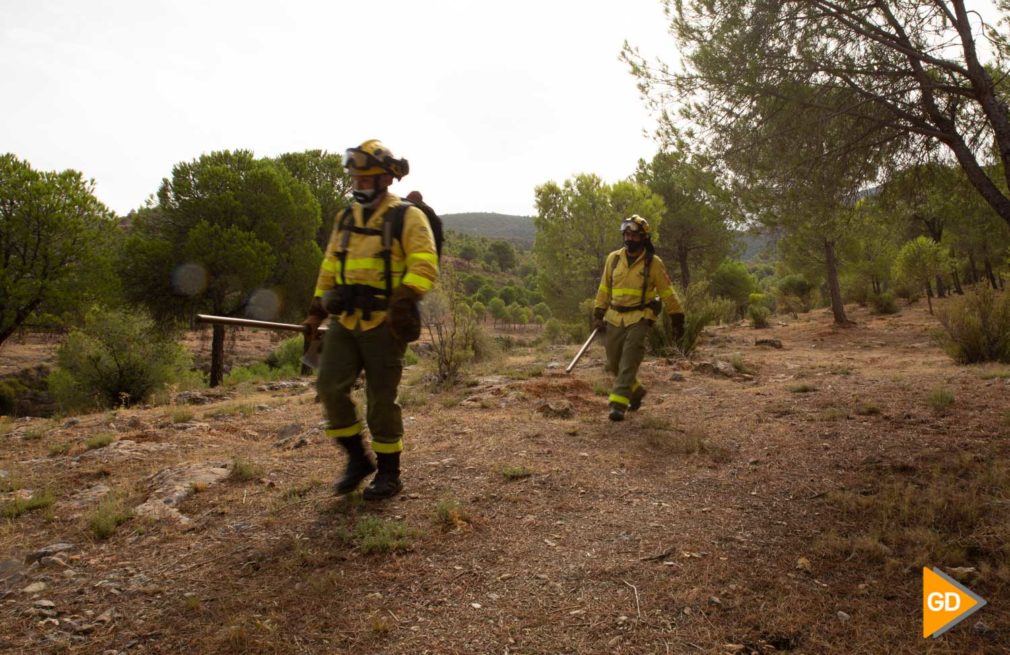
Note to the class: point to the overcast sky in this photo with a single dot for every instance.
(486, 100)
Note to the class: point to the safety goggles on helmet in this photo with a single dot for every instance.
(360, 162)
(635, 224)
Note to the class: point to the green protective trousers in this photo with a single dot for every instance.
(625, 352)
(345, 353)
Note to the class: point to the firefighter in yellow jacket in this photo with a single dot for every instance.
(380, 261)
(634, 289)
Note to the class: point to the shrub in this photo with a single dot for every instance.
(940, 399)
(376, 535)
(977, 326)
(758, 316)
(554, 332)
(795, 293)
(456, 337)
(243, 470)
(19, 506)
(10, 390)
(288, 355)
(732, 281)
(700, 310)
(449, 514)
(518, 472)
(109, 515)
(762, 299)
(117, 358)
(99, 441)
(883, 303)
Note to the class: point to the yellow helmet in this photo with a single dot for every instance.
(373, 158)
(635, 223)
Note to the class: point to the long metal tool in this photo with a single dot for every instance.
(310, 349)
(582, 350)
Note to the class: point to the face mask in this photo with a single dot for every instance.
(365, 197)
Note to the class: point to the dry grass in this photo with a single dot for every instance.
(18, 506)
(109, 515)
(676, 531)
(450, 515)
(100, 440)
(243, 470)
(516, 472)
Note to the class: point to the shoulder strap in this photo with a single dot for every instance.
(645, 275)
(345, 238)
(389, 220)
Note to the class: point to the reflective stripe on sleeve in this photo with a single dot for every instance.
(415, 280)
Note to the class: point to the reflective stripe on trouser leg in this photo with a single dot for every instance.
(383, 362)
(339, 366)
(631, 354)
(352, 430)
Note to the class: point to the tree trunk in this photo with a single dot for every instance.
(217, 355)
(972, 269)
(929, 296)
(957, 281)
(685, 270)
(941, 288)
(837, 308)
(989, 273)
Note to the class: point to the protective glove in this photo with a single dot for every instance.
(598, 322)
(315, 318)
(404, 316)
(677, 327)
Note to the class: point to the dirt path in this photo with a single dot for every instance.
(704, 524)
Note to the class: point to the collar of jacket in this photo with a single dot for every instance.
(639, 256)
(363, 215)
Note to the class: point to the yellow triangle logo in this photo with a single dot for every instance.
(945, 602)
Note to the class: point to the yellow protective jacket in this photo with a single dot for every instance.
(414, 259)
(622, 286)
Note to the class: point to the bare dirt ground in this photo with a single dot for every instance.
(730, 515)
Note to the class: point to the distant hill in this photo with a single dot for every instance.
(517, 230)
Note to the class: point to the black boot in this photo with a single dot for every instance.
(636, 399)
(386, 482)
(359, 466)
(616, 412)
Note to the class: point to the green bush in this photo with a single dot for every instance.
(10, 389)
(762, 299)
(758, 316)
(258, 372)
(795, 293)
(977, 326)
(700, 310)
(883, 303)
(119, 358)
(288, 354)
(732, 281)
(554, 332)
